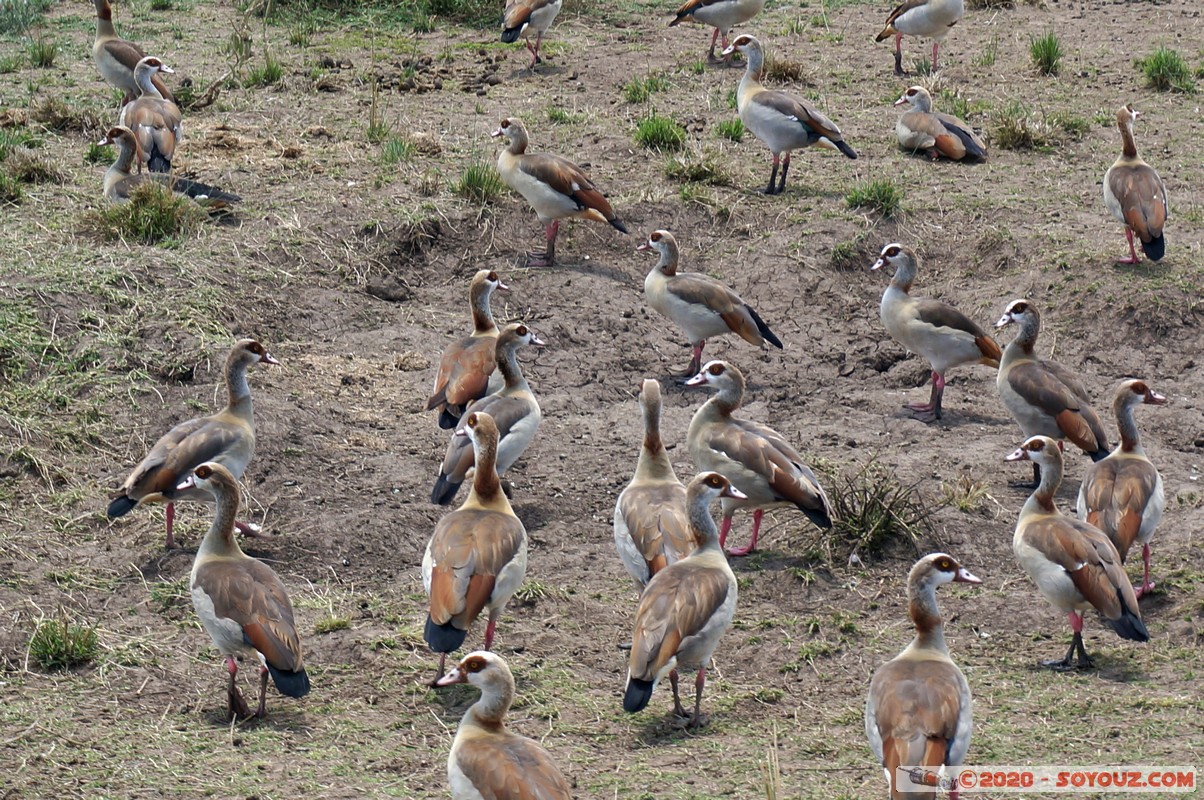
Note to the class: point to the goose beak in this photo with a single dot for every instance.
(697, 380)
(733, 492)
(503, 288)
(457, 675)
(1019, 454)
(731, 48)
(495, 134)
(879, 264)
(902, 101)
(644, 247)
(167, 69)
(187, 483)
(268, 358)
(535, 340)
(1152, 398)
(964, 576)
(1004, 321)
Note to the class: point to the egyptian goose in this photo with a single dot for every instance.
(928, 19)
(921, 128)
(526, 17)
(700, 305)
(722, 15)
(467, 364)
(157, 123)
(240, 601)
(486, 759)
(227, 437)
(514, 409)
(652, 528)
(766, 469)
(120, 183)
(685, 608)
(1073, 563)
(784, 122)
(1122, 495)
(936, 331)
(1135, 194)
(918, 710)
(1044, 397)
(477, 557)
(116, 58)
(555, 187)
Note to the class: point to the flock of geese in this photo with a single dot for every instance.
(918, 711)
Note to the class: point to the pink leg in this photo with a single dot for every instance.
(695, 361)
(535, 52)
(935, 46)
(899, 55)
(723, 530)
(237, 705)
(711, 52)
(1076, 621)
(752, 544)
(923, 407)
(1146, 586)
(171, 516)
(677, 707)
(489, 630)
(263, 693)
(773, 175)
(1132, 259)
(699, 683)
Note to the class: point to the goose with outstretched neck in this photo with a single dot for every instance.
(468, 363)
(1135, 194)
(116, 58)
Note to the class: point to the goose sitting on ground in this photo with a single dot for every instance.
(935, 331)
(526, 17)
(685, 608)
(1122, 495)
(722, 15)
(1044, 397)
(1135, 194)
(157, 123)
(766, 469)
(1073, 563)
(921, 128)
(467, 364)
(514, 409)
(116, 58)
(928, 19)
(486, 759)
(227, 437)
(784, 122)
(652, 528)
(477, 557)
(555, 187)
(700, 305)
(240, 601)
(120, 183)
(918, 710)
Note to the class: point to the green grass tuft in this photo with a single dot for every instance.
(331, 624)
(640, 90)
(872, 507)
(1046, 53)
(989, 54)
(29, 166)
(480, 183)
(1166, 71)
(98, 154)
(15, 139)
(881, 195)
(732, 129)
(561, 116)
(153, 215)
(42, 52)
(58, 644)
(660, 133)
(18, 16)
(267, 74)
(395, 150)
(11, 193)
(1017, 128)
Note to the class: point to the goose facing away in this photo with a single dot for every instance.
(1135, 195)
(935, 331)
(467, 364)
(525, 17)
(928, 19)
(722, 15)
(1123, 495)
(156, 122)
(651, 526)
(700, 305)
(784, 122)
(487, 759)
(1073, 564)
(940, 135)
(227, 438)
(116, 58)
(120, 183)
(555, 187)
(918, 711)
(685, 608)
(240, 601)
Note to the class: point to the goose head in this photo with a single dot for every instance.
(152, 64)
(744, 44)
(211, 477)
(1020, 312)
(1137, 392)
(719, 374)
(916, 97)
(663, 244)
(1041, 450)
(937, 569)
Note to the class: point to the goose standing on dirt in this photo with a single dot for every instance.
(116, 58)
(784, 122)
(722, 15)
(1073, 563)
(935, 331)
(526, 17)
(1122, 495)
(227, 438)
(514, 409)
(1135, 194)
(240, 601)
(921, 128)
(555, 187)
(700, 305)
(1044, 397)
(477, 557)
(157, 123)
(120, 183)
(467, 364)
(928, 19)
(685, 608)
(652, 528)
(766, 469)
(918, 710)
(486, 759)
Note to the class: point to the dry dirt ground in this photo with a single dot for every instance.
(107, 344)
